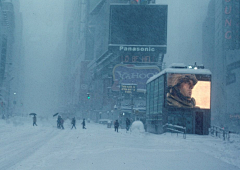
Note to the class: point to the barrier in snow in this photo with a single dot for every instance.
(176, 129)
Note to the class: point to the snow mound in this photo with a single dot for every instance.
(137, 127)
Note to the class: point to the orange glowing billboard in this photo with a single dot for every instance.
(188, 90)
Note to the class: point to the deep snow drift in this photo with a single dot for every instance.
(44, 147)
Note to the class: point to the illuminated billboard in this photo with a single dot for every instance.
(188, 90)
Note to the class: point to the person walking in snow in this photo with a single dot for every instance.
(34, 120)
(116, 125)
(127, 124)
(83, 123)
(73, 122)
(58, 121)
(61, 123)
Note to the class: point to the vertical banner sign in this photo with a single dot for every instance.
(231, 24)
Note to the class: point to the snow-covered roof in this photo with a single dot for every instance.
(180, 71)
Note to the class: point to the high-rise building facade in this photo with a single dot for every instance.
(11, 53)
(221, 53)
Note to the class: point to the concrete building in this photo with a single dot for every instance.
(221, 55)
(92, 67)
(11, 59)
(7, 40)
(76, 55)
(112, 62)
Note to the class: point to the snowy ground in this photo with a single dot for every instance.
(24, 147)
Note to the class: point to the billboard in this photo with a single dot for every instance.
(131, 74)
(188, 90)
(138, 27)
(128, 88)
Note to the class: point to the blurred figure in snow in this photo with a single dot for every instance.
(83, 123)
(127, 124)
(34, 120)
(73, 122)
(59, 121)
(116, 125)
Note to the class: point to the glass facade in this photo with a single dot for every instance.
(155, 96)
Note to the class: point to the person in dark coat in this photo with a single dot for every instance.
(58, 121)
(116, 125)
(34, 120)
(83, 124)
(73, 122)
(61, 125)
(127, 124)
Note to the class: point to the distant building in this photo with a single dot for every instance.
(221, 51)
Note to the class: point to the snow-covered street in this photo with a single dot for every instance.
(24, 147)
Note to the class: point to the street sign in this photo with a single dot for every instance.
(128, 88)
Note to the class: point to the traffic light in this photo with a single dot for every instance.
(88, 95)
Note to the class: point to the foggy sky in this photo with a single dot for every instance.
(184, 41)
(43, 31)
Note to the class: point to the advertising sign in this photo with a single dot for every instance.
(131, 28)
(128, 58)
(131, 74)
(128, 88)
(230, 24)
(188, 90)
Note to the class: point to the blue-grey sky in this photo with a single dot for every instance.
(42, 33)
(185, 18)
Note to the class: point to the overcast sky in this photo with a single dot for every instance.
(42, 33)
(185, 18)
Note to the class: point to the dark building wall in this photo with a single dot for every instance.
(220, 51)
(100, 18)
(209, 37)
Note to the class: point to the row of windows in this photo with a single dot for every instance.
(155, 96)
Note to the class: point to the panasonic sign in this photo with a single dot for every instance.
(140, 49)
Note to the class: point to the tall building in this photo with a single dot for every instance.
(6, 60)
(125, 54)
(97, 67)
(221, 50)
(76, 55)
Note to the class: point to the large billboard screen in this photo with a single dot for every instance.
(132, 74)
(138, 25)
(188, 90)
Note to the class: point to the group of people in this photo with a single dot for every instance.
(73, 122)
(60, 122)
(128, 124)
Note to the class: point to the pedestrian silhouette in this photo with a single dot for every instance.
(83, 124)
(73, 122)
(116, 125)
(34, 120)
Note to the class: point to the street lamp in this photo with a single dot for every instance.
(14, 98)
